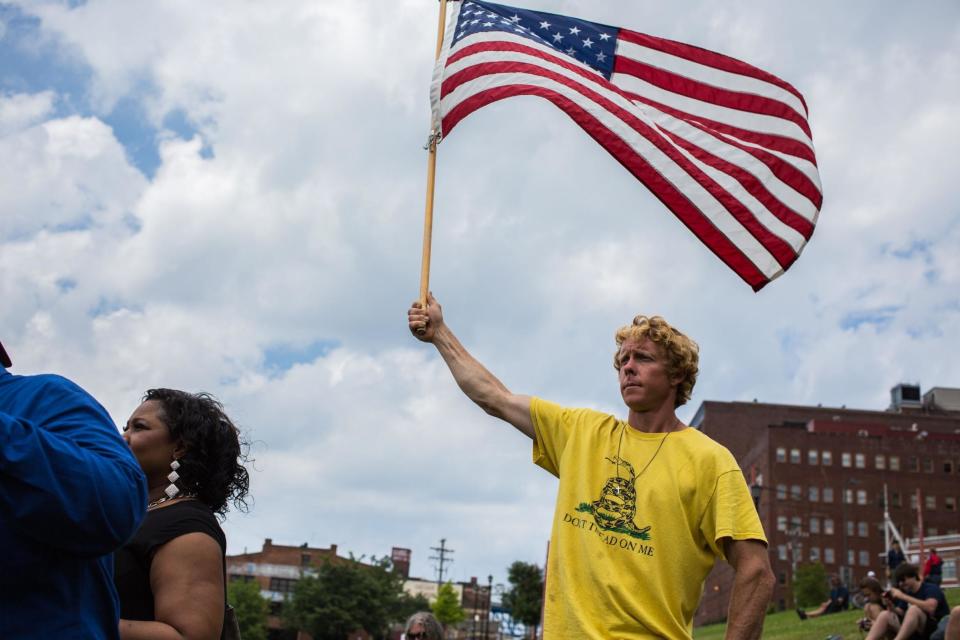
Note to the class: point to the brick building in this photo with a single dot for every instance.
(276, 568)
(818, 476)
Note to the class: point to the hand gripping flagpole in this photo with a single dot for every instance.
(431, 173)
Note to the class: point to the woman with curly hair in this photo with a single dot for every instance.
(171, 575)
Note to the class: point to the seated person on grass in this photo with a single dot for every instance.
(872, 592)
(913, 607)
(839, 601)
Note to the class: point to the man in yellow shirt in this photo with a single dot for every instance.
(645, 505)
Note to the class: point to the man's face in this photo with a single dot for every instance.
(909, 584)
(644, 382)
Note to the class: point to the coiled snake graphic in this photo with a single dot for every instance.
(616, 507)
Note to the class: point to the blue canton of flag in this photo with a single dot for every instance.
(587, 42)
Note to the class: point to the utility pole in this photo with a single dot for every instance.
(441, 557)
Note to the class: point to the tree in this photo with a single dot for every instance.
(810, 585)
(346, 596)
(524, 599)
(447, 607)
(251, 609)
(407, 605)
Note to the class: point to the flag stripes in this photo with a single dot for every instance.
(725, 146)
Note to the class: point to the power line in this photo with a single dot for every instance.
(441, 557)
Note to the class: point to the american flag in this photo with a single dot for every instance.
(724, 145)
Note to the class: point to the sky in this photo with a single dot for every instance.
(228, 197)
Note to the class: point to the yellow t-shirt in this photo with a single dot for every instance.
(631, 543)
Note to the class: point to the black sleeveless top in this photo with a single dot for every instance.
(131, 570)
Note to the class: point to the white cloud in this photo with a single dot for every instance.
(21, 110)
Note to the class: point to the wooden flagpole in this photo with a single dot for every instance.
(431, 173)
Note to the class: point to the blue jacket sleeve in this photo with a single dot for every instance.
(67, 478)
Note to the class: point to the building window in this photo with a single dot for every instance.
(851, 556)
(826, 458)
(782, 551)
(861, 496)
(828, 526)
(848, 496)
(282, 585)
(950, 570)
(844, 459)
(237, 577)
(796, 492)
(932, 531)
(814, 554)
(913, 501)
(879, 461)
(781, 454)
(813, 456)
(863, 529)
(927, 465)
(930, 502)
(781, 523)
(828, 494)
(849, 525)
(895, 499)
(782, 578)
(864, 558)
(813, 494)
(950, 503)
(814, 524)
(860, 461)
(828, 555)
(894, 463)
(796, 524)
(913, 464)
(781, 492)
(795, 456)
(948, 466)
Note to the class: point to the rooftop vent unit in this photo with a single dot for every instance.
(905, 398)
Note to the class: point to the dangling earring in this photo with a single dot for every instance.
(172, 489)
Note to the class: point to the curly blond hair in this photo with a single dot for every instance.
(683, 354)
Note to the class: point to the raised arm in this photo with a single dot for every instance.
(474, 379)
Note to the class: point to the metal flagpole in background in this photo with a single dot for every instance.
(431, 172)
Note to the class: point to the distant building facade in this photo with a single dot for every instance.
(818, 476)
(277, 568)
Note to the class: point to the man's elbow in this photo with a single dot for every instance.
(759, 574)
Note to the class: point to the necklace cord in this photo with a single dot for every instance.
(620, 444)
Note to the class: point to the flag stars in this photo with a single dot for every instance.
(557, 37)
(588, 43)
(514, 18)
(601, 57)
(574, 31)
(570, 51)
(487, 24)
(604, 37)
(544, 25)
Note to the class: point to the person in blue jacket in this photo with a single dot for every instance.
(71, 492)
